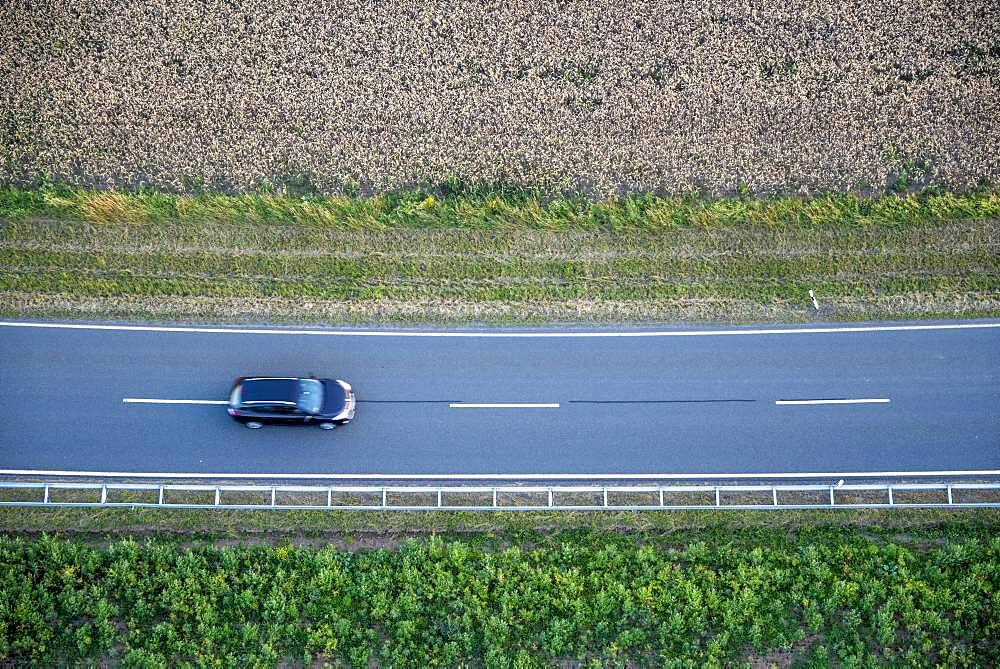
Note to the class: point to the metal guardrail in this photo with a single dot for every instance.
(500, 498)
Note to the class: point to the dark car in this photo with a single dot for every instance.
(257, 401)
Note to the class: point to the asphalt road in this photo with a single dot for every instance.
(692, 404)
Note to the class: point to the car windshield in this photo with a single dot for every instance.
(310, 397)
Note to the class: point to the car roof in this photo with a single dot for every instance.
(270, 390)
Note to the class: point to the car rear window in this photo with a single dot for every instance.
(234, 397)
(310, 397)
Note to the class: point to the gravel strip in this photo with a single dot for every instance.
(14, 304)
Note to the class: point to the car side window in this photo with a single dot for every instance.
(269, 408)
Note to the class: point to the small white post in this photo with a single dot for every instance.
(104, 493)
(45, 500)
(774, 495)
(159, 499)
(329, 497)
(217, 494)
(605, 497)
(949, 494)
(661, 495)
(550, 497)
(384, 498)
(832, 503)
(812, 296)
(494, 498)
(273, 497)
(439, 496)
(717, 500)
(890, 496)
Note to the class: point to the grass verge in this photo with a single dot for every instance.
(496, 257)
(294, 524)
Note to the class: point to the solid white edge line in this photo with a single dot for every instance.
(470, 405)
(863, 401)
(139, 400)
(384, 333)
(501, 477)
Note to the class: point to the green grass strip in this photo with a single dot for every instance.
(485, 209)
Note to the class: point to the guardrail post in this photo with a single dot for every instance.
(104, 494)
(494, 498)
(605, 497)
(217, 496)
(384, 498)
(832, 503)
(774, 495)
(329, 497)
(661, 495)
(159, 497)
(273, 498)
(550, 497)
(439, 497)
(890, 495)
(949, 495)
(45, 499)
(717, 500)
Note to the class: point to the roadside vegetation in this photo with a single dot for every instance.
(460, 254)
(286, 162)
(816, 589)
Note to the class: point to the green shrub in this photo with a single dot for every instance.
(601, 598)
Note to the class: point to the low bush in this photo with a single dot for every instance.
(587, 598)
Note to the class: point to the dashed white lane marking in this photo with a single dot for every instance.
(859, 401)
(582, 476)
(395, 333)
(471, 405)
(143, 400)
